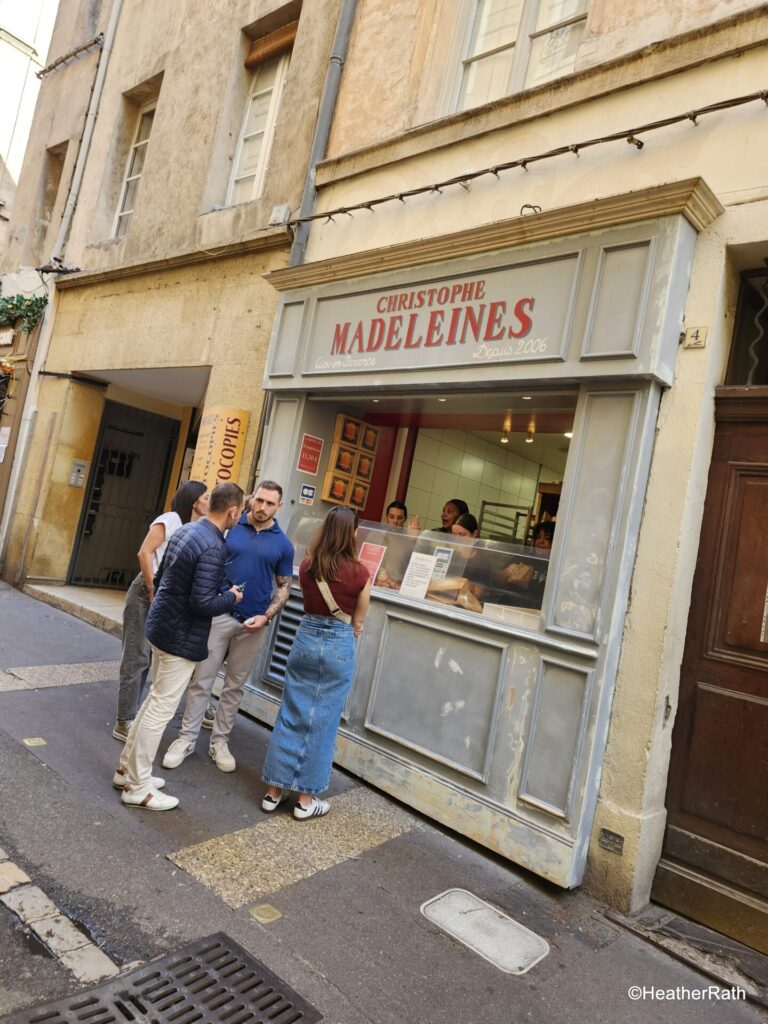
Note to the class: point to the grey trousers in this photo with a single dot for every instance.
(229, 640)
(137, 653)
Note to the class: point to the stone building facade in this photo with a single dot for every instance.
(601, 164)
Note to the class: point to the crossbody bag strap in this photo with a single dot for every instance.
(333, 608)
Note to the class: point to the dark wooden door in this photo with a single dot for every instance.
(715, 862)
(126, 490)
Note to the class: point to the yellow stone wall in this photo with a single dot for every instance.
(217, 314)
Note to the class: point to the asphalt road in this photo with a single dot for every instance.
(350, 939)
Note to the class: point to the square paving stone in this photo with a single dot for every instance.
(30, 903)
(59, 934)
(89, 963)
(11, 875)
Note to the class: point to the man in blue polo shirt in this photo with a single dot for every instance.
(260, 561)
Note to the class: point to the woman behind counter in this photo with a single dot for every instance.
(451, 511)
(320, 668)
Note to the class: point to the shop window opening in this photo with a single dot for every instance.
(463, 510)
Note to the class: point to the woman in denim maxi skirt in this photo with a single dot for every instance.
(320, 668)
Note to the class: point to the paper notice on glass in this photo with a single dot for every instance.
(418, 575)
(372, 555)
(443, 556)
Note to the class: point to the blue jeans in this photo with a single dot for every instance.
(319, 675)
(137, 653)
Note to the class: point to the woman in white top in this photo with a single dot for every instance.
(189, 503)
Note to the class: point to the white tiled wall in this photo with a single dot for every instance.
(452, 464)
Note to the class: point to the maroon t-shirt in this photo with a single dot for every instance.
(352, 578)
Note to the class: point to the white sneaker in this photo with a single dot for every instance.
(177, 753)
(271, 803)
(150, 800)
(220, 755)
(314, 809)
(118, 780)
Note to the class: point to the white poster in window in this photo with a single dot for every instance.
(418, 575)
(443, 556)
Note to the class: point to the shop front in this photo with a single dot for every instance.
(525, 381)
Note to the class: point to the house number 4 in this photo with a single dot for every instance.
(695, 337)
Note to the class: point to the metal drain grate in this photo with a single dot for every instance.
(211, 981)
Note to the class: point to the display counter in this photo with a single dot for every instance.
(503, 582)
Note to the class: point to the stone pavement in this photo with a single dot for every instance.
(331, 906)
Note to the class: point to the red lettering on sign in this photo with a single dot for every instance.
(469, 318)
(435, 322)
(393, 333)
(410, 341)
(494, 329)
(375, 334)
(340, 332)
(526, 323)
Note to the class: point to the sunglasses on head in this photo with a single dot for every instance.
(354, 513)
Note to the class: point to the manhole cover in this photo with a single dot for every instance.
(493, 935)
(211, 981)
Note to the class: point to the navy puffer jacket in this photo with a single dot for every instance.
(188, 591)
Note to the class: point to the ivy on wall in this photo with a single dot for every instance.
(18, 307)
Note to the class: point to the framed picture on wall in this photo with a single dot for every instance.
(369, 438)
(348, 430)
(343, 459)
(364, 467)
(358, 494)
(336, 488)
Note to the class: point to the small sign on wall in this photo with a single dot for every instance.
(695, 337)
(309, 454)
(307, 496)
(220, 445)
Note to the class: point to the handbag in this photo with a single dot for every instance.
(333, 608)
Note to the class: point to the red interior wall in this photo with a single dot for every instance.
(382, 467)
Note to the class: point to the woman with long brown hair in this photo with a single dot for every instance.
(320, 668)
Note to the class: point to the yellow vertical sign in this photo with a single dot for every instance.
(220, 445)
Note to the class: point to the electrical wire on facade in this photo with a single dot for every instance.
(629, 135)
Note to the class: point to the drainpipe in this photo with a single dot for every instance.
(323, 124)
(46, 327)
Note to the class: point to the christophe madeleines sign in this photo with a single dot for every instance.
(515, 314)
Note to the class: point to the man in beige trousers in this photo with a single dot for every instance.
(260, 561)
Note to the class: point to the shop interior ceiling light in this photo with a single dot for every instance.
(504, 439)
(529, 437)
(568, 433)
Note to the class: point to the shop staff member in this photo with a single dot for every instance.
(188, 594)
(396, 514)
(258, 556)
(451, 511)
